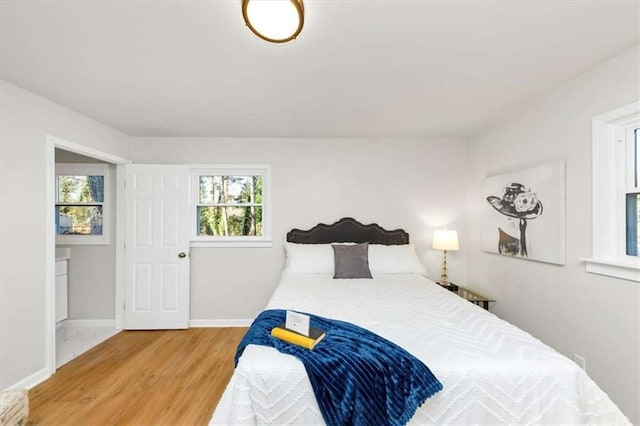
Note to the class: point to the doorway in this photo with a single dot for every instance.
(84, 250)
(85, 197)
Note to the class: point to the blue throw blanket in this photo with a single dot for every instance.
(358, 377)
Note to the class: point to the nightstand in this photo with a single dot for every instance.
(469, 295)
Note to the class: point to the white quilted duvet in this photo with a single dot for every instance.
(492, 372)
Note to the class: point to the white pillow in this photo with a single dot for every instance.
(309, 259)
(397, 259)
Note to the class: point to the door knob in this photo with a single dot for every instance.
(182, 255)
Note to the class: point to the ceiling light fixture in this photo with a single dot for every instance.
(277, 21)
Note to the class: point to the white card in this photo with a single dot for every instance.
(297, 322)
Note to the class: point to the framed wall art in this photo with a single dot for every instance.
(524, 213)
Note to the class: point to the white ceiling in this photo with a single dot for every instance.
(359, 68)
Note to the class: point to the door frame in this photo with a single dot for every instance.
(51, 143)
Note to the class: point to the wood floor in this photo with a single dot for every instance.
(164, 377)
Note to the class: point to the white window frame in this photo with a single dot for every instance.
(86, 169)
(611, 133)
(232, 170)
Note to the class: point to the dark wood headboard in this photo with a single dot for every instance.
(348, 230)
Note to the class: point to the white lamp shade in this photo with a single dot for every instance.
(445, 239)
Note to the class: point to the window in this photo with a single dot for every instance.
(231, 206)
(80, 211)
(616, 194)
(632, 194)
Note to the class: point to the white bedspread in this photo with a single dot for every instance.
(492, 372)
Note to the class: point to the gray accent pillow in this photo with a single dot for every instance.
(351, 261)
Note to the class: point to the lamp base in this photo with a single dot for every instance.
(444, 278)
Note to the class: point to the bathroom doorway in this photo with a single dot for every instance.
(84, 250)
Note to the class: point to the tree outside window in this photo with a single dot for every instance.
(231, 206)
(80, 203)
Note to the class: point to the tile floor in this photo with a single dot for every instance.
(72, 341)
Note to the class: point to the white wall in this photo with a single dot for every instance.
(92, 268)
(567, 308)
(416, 184)
(25, 120)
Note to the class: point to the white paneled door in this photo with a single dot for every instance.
(157, 247)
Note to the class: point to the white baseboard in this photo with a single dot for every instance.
(220, 323)
(192, 323)
(88, 323)
(32, 380)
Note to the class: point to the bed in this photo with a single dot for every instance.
(492, 372)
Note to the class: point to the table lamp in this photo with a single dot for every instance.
(445, 240)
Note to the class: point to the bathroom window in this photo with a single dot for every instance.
(80, 212)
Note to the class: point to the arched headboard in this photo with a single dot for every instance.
(348, 230)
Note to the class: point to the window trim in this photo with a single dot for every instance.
(263, 170)
(609, 132)
(86, 169)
